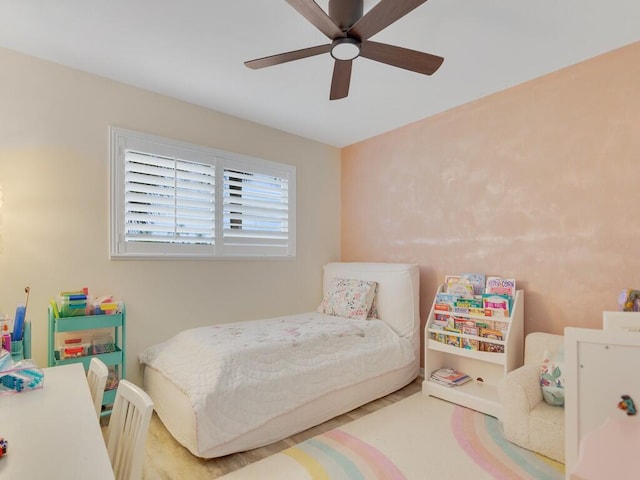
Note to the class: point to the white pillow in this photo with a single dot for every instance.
(348, 298)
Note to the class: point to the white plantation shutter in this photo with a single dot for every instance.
(168, 200)
(176, 200)
(256, 212)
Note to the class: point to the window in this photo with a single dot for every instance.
(175, 200)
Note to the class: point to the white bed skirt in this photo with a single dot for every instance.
(175, 410)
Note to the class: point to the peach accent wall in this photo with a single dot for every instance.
(539, 182)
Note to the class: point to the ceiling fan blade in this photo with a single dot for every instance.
(341, 79)
(287, 57)
(383, 14)
(312, 12)
(345, 13)
(401, 57)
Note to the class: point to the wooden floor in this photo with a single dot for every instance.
(166, 459)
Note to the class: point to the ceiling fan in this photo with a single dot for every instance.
(349, 31)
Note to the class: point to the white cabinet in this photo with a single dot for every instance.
(486, 368)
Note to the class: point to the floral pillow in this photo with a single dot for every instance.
(348, 298)
(552, 379)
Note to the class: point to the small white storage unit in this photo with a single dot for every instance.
(485, 368)
(115, 358)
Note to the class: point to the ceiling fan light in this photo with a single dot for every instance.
(345, 48)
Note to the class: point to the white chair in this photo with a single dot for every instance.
(127, 431)
(527, 420)
(97, 378)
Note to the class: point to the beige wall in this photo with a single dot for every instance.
(55, 221)
(539, 182)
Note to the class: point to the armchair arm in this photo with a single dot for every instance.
(519, 393)
(520, 388)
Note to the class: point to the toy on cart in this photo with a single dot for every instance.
(79, 303)
(16, 377)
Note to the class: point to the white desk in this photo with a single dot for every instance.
(53, 431)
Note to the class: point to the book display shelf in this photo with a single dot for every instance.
(484, 358)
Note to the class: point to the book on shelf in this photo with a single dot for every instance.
(470, 344)
(470, 330)
(493, 334)
(440, 319)
(490, 347)
(496, 305)
(452, 341)
(461, 323)
(501, 286)
(473, 311)
(478, 281)
(438, 337)
(469, 306)
(443, 298)
(449, 377)
(458, 286)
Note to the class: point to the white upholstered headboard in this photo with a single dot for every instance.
(397, 295)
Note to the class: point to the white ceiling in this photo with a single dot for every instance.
(194, 50)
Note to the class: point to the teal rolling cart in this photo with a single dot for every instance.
(115, 359)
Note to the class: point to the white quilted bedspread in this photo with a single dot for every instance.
(240, 375)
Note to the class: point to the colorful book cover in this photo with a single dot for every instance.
(463, 290)
(493, 334)
(449, 374)
(478, 280)
(484, 324)
(446, 298)
(469, 344)
(464, 310)
(449, 384)
(501, 326)
(498, 305)
(439, 318)
(458, 285)
(471, 311)
(438, 337)
(501, 286)
(452, 279)
(470, 331)
(469, 302)
(452, 341)
(490, 347)
(461, 323)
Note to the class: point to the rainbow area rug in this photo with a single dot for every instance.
(337, 455)
(419, 438)
(481, 438)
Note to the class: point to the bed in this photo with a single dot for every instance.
(227, 388)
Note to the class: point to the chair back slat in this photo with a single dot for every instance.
(97, 378)
(127, 431)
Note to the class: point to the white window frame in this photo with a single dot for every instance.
(227, 242)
